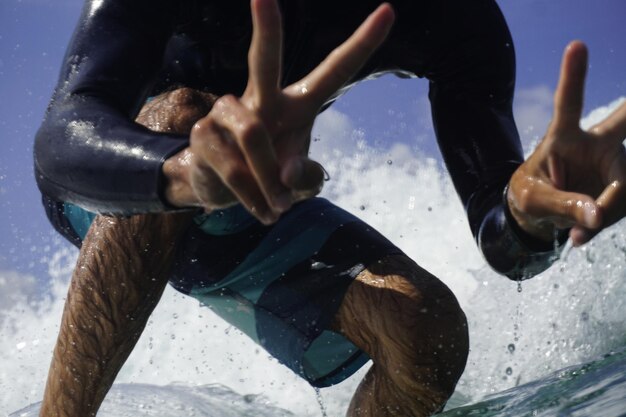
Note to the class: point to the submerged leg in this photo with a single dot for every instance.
(413, 328)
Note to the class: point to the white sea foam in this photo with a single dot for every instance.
(569, 314)
(175, 400)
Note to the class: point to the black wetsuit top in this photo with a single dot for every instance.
(90, 152)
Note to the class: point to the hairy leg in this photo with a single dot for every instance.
(122, 270)
(121, 273)
(412, 327)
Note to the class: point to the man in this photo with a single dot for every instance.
(334, 290)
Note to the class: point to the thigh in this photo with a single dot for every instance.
(404, 317)
(282, 284)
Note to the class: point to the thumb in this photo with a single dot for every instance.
(303, 176)
(612, 202)
(544, 203)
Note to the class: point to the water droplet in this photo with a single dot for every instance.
(318, 265)
(362, 207)
(509, 371)
(320, 402)
(389, 162)
(511, 348)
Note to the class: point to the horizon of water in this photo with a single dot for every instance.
(572, 313)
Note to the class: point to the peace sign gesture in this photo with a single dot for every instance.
(574, 178)
(253, 149)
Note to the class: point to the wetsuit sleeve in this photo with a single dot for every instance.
(88, 150)
(471, 92)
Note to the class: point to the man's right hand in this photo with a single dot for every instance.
(253, 149)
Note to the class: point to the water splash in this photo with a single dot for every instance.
(572, 313)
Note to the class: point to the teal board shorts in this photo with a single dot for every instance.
(281, 284)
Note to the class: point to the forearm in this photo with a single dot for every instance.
(121, 273)
(88, 150)
(89, 154)
(472, 97)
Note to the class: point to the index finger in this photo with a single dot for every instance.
(343, 62)
(265, 54)
(568, 98)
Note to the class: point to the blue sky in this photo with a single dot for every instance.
(34, 33)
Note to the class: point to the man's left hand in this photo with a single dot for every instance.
(574, 178)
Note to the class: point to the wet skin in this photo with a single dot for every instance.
(404, 318)
(257, 154)
(262, 167)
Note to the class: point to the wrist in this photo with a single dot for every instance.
(177, 190)
(538, 236)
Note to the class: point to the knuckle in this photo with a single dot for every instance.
(250, 134)
(524, 200)
(202, 127)
(224, 102)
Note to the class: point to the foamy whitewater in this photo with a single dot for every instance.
(570, 314)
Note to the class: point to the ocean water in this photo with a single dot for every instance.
(554, 349)
(593, 389)
(596, 388)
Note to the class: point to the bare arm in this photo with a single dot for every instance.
(574, 178)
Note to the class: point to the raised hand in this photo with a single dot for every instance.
(253, 149)
(574, 178)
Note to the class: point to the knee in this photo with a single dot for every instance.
(176, 111)
(445, 337)
(427, 331)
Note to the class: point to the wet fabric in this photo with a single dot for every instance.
(281, 285)
(89, 152)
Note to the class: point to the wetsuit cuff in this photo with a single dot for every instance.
(532, 243)
(511, 251)
(162, 181)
